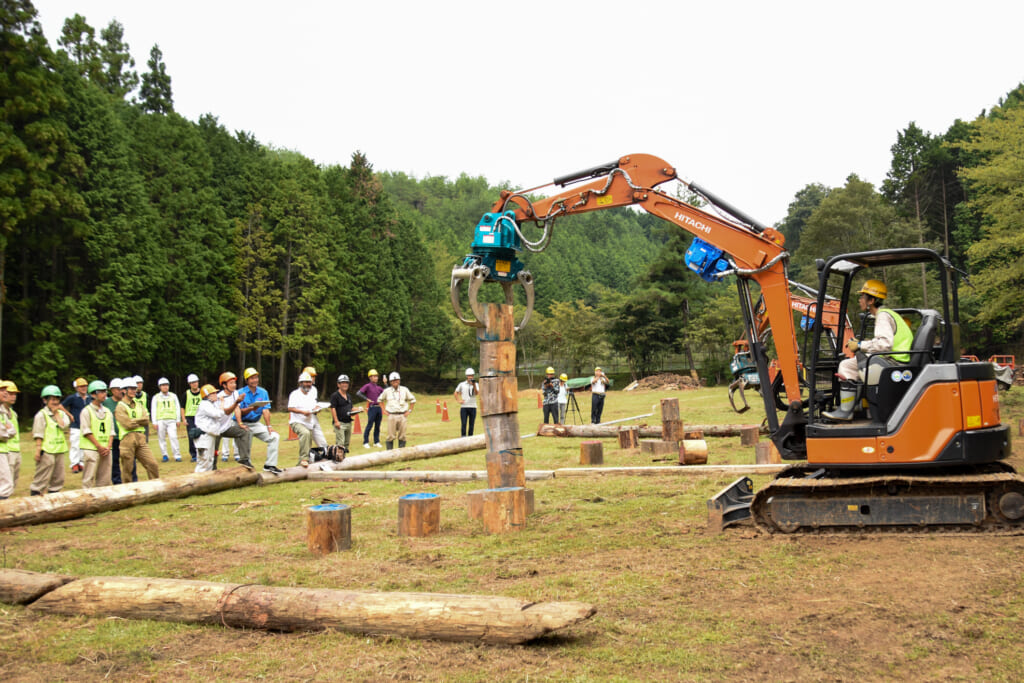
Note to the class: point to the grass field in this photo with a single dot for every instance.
(673, 602)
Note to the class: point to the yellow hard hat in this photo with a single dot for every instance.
(249, 372)
(549, 371)
(8, 385)
(206, 390)
(81, 382)
(373, 373)
(875, 288)
(310, 369)
(564, 377)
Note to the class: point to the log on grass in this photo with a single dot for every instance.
(57, 507)
(413, 475)
(591, 453)
(689, 471)
(427, 450)
(419, 514)
(298, 473)
(658, 447)
(328, 528)
(475, 503)
(693, 452)
(438, 616)
(20, 587)
(646, 432)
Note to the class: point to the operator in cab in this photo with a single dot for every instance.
(892, 336)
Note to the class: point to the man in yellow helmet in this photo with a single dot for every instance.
(10, 453)
(892, 336)
(549, 392)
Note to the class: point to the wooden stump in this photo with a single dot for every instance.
(504, 509)
(749, 436)
(328, 528)
(671, 425)
(658, 447)
(419, 514)
(475, 503)
(591, 453)
(765, 453)
(693, 452)
(629, 437)
(1020, 427)
(506, 468)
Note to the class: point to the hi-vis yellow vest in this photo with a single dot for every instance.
(134, 412)
(165, 407)
(903, 339)
(101, 428)
(192, 402)
(12, 445)
(54, 440)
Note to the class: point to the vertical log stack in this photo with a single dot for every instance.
(499, 411)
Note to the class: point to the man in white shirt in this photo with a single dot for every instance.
(598, 386)
(302, 415)
(397, 402)
(211, 420)
(465, 394)
(165, 411)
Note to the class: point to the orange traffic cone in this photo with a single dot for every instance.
(292, 436)
(356, 427)
(437, 406)
(444, 413)
(539, 404)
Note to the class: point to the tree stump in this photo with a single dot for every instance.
(591, 453)
(693, 452)
(504, 509)
(419, 514)
(629, 437)
(658, 447)
(671, 425)
(765, 453)
(328, 528)
(750, 435)
(475, 503)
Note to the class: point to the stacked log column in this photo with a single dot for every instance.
(504, 505)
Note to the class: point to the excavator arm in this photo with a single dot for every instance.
(740, 247)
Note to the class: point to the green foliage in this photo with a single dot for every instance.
(118, 77)
(806, 201)
(155, 92)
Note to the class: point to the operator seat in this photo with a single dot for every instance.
(893, 381)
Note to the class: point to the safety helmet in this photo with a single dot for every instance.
(8, 385)
(597, 369)
(304, 377)
(310, 369)
(549, 371)
(249, 372)
(206, 390)
(81, 382)
(97, 385)
(226, 377)
(875, 288)
(342, 378)
(192, 378)
(564, 377)
(469, 372)
(128, 383)
(393, 376)
(137, 379)
(373, 373)
(50, 390)
(162, 381)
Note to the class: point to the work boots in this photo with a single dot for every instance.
(848, 392)
(401, 444)
(389, 445)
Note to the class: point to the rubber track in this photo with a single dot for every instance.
(990, 483)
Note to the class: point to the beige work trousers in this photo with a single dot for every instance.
(97, 469)
(14, 460)
(396, 426)
(134, 447)
(6, 480)
(49, 477)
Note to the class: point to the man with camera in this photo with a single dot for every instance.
(549, 392)
(465, 394)
(598, 384)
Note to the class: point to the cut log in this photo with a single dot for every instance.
(419, 514)
(504, 509)
(629, 437)
(765, 453)
(750, 435)
(693, 452)
(56, 507)
(658, 447)
(672, 430)
(328, 528)
(20, 587)
(591, 453)
(506, 468)
(290, 474)
(611, 431)
(499, 394)
(410, 475)
(427, 450)
(669, 409)
(475, 503)
(439, 616)
(690, 471)
(695, 435)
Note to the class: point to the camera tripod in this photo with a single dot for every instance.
(572, 408)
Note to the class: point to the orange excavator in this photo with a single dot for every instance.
(927, 449)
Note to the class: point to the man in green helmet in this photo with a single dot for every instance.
(50, 429)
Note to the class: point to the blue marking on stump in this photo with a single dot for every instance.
(328, 507)
(418, 496)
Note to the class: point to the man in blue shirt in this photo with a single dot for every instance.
(254, 407)
(73, 405)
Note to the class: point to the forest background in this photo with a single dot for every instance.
(135, 241)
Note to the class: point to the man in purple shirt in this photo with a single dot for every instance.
(370, 392)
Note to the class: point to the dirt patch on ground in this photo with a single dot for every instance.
(667, 381)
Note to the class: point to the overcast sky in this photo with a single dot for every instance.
(752, 100)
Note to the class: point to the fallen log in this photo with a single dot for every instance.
(689, 470)
(538, 475)
(20, 587)
(646, 432)
(57, 507)
(427, 450)
(437, 616)
(298, 473)
(411, 475)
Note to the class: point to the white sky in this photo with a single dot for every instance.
(752, 100)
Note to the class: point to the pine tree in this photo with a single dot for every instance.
(155, 92)
(119, 77)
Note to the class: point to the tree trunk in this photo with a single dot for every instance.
(419, 514)
(439, 616)
(285, 295)
(328, 528)
(56, 507)
(591, 453)
(611, 432)
(20, 587)
(427, 450)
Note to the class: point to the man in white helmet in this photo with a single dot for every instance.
(166, 411)
(189, 409)
(302, 415)
(465, 394)
(397, 402)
